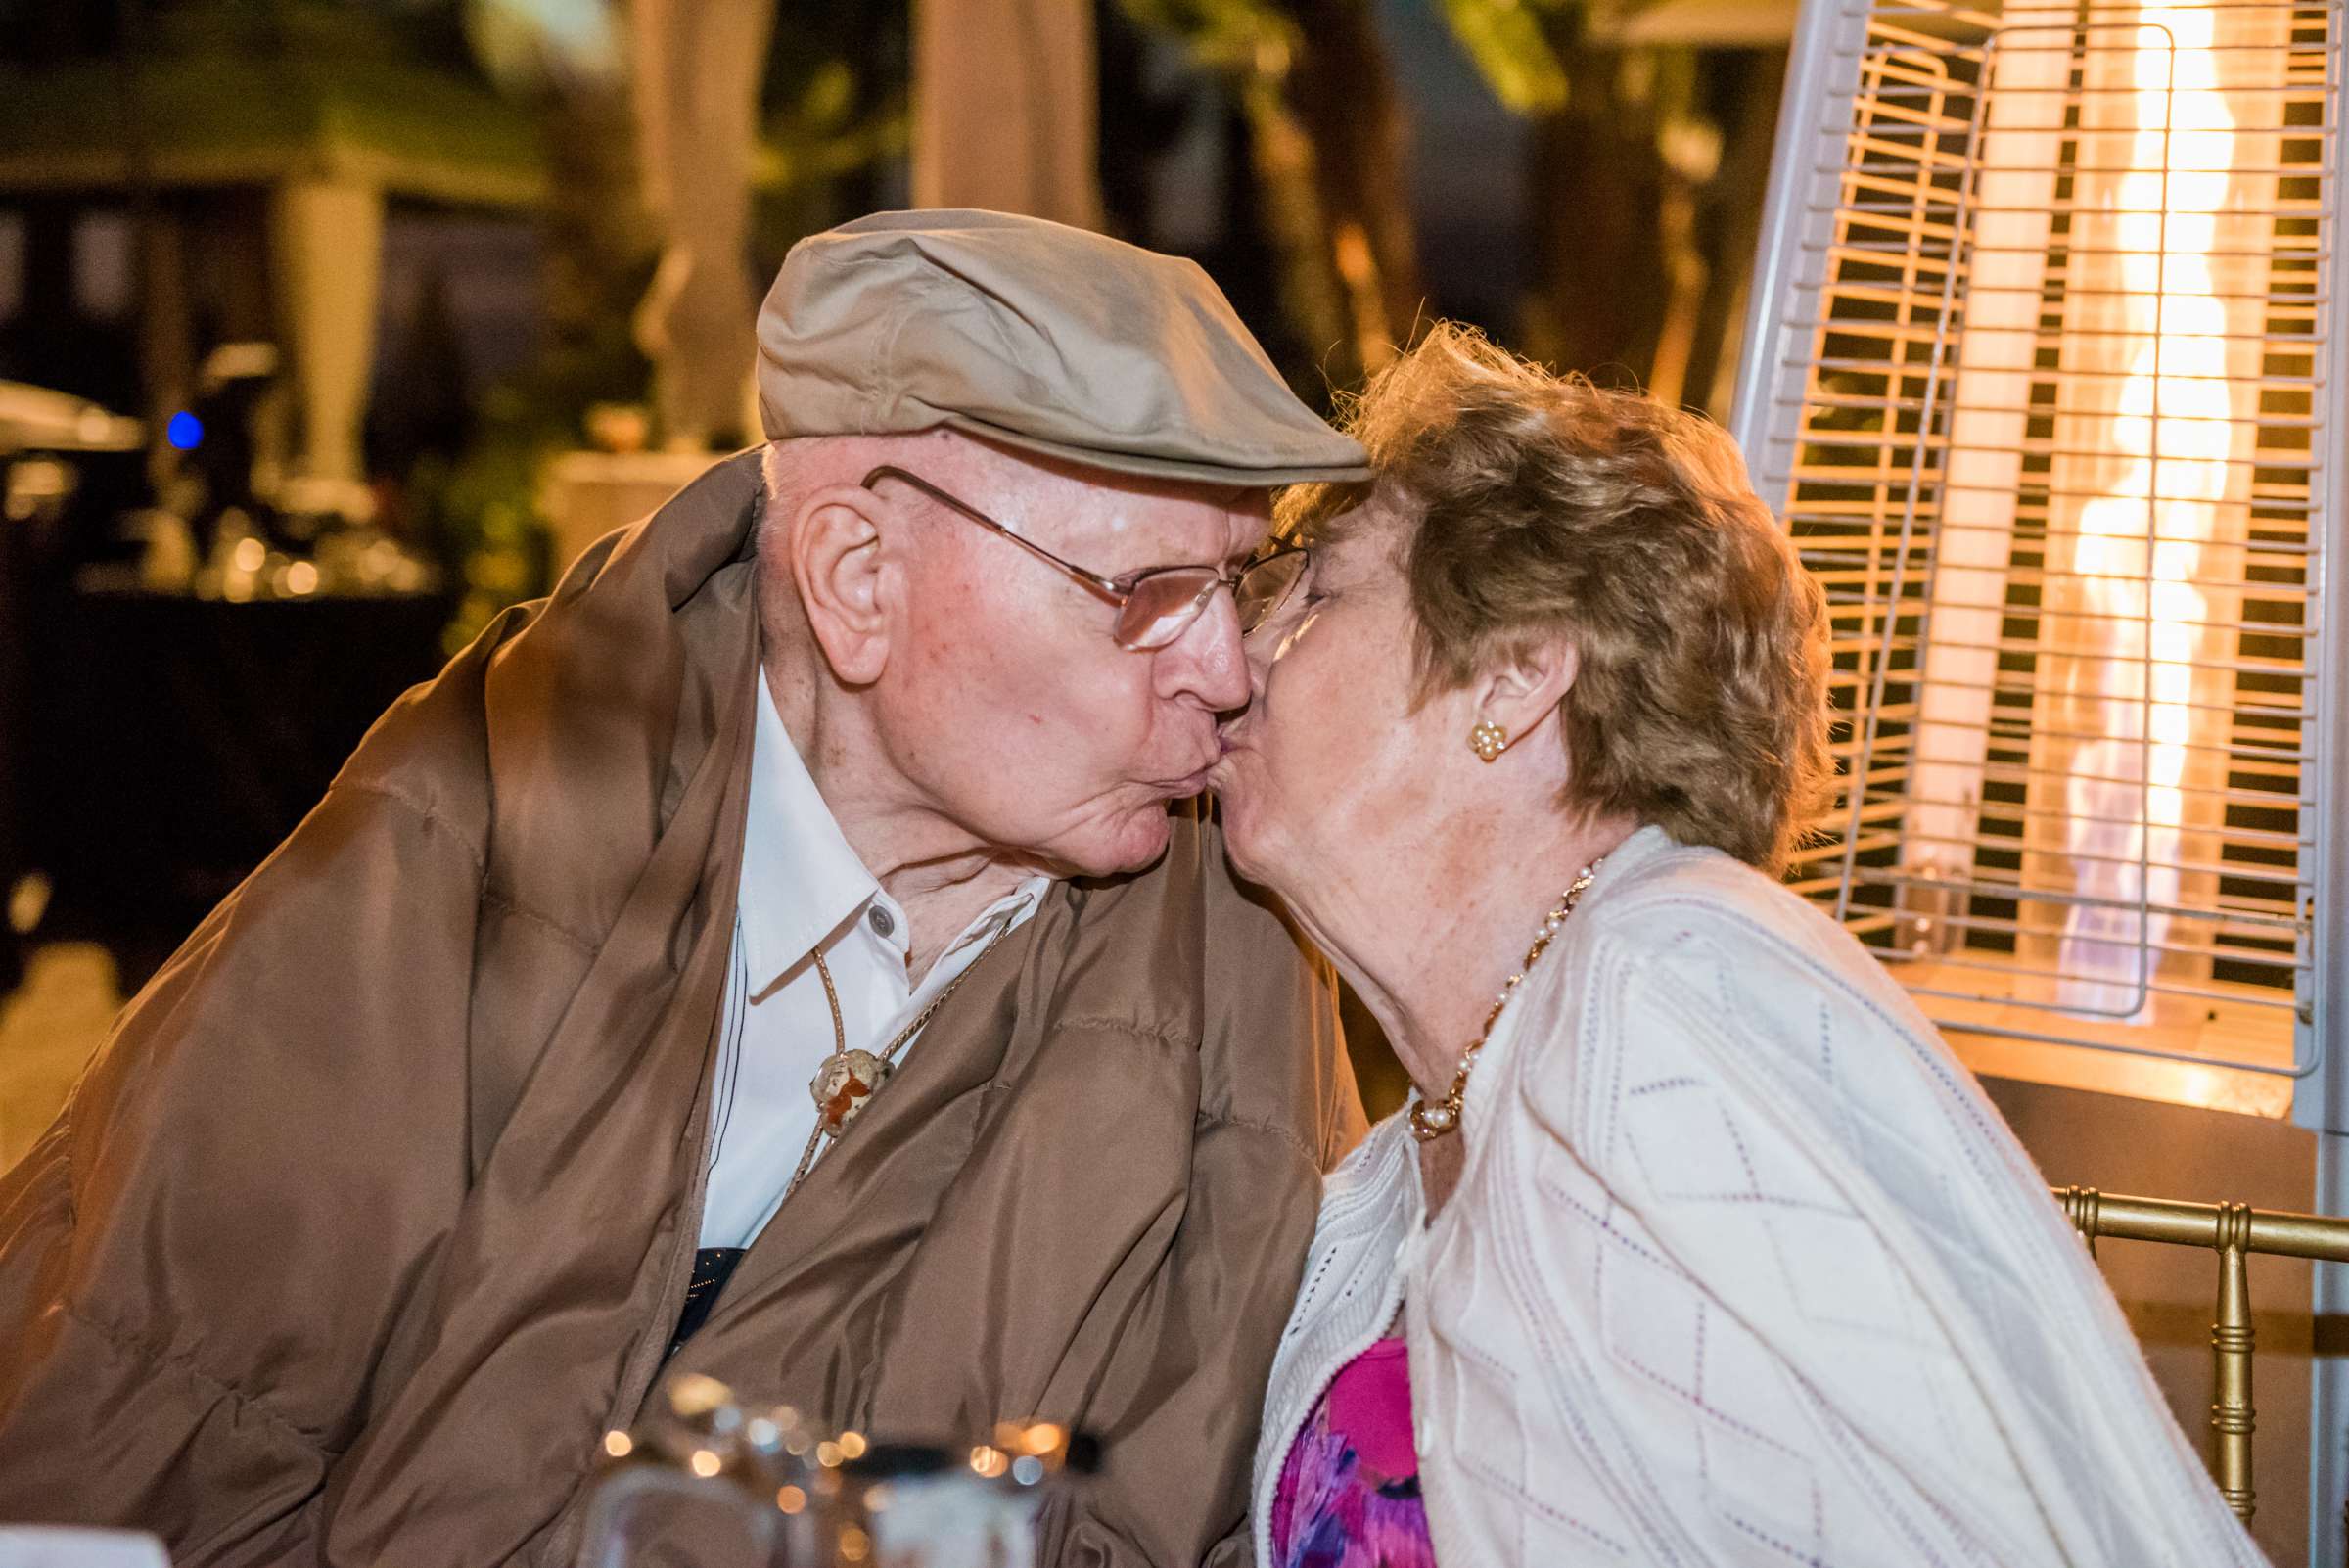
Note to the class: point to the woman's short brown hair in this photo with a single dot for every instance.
(1536, 506)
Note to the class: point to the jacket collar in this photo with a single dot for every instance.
(600, 711)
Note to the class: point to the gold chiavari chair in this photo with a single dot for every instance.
(2235, 1231)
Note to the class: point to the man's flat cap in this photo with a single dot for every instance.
(1045, 338)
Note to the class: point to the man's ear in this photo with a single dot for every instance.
(1523, 692)
(843, 574)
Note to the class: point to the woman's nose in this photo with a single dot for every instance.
(1259, 648)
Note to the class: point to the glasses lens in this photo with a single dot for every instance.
(1163, 603)
(1264, 588)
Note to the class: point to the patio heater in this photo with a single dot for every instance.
(2045, 371)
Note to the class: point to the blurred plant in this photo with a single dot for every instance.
(1505, 39)
(562, 59)
(1327, 147)
(823, 125)
(486, 509)
(1648, 167)
(525, 46)
(1645, 171)
(833, 118)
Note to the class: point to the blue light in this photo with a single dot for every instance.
(183, 431)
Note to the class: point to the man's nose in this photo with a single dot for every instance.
(1207, 663)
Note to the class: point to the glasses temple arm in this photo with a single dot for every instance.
(1107, 588)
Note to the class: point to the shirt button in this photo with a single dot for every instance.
(881, 922)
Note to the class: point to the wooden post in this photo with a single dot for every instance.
(1003, 107)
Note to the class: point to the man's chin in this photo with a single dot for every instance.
(1135, 844)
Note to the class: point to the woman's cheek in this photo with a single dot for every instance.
(1292, 637)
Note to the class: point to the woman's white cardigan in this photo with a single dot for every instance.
(1742, 1268)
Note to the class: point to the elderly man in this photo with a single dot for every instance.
(772, 956)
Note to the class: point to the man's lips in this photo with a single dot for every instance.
(1193, 782)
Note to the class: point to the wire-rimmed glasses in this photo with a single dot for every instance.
(1157, 606)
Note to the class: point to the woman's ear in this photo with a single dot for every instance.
(843, 572)
(1522, 693)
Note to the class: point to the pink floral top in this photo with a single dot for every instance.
(1349, 1492)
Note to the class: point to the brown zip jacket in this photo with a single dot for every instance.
(378, 1208)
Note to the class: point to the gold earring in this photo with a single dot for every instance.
(1488, 740)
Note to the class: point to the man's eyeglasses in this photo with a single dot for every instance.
(1154, 607)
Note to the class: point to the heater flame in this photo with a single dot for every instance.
(2129, 262)
(2142, 543)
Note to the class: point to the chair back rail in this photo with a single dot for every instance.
(2233, 1230)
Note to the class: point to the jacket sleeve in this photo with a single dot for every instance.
(200, 1261)
(1178, 1405)
(1181, 1393)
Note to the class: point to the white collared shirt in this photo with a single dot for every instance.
(803, 887)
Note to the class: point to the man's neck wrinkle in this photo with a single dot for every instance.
(940, 876)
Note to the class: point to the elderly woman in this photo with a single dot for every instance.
(1695, 1246)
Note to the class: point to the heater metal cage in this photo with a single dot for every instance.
(2043, 372)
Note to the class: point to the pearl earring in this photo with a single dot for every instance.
(1488, 740)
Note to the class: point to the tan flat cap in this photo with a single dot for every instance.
(1044, 337)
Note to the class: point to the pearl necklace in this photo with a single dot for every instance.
(1431, 1122)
